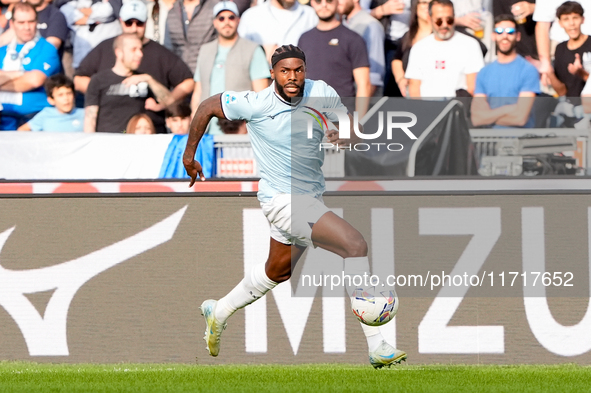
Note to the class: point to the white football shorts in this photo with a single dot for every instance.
(296, 229)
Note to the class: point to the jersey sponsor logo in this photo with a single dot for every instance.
(41, 26)
(334, 42)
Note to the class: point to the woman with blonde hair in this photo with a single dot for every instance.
(140, 124)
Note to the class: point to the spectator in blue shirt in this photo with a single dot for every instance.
(51, 24)
(62, 115)
(505, 89)
(25, 64)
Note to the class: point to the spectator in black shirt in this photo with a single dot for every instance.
(572, 59)
(420, 27)
(166, 67)
(337, 55)
(114, 96)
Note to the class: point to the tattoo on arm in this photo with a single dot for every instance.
(90, 116)
(163, 95)
(209, 108)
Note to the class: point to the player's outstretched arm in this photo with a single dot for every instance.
(209, 108)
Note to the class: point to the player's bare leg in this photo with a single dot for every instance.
(281, 258)
(336, 235)
(261, 279)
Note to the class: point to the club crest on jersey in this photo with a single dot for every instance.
(230, 99)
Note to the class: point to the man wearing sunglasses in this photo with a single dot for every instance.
(228, 63)
(444, 63)
(163, 65)
(506, 88)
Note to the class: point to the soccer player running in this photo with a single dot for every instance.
(290, 177)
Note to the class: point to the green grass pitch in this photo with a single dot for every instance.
(33, 377)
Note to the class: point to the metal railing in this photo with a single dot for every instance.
(503, 151)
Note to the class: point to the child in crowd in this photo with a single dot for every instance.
(178, 118)
(62, 115)
(233, 126)
(140, 124)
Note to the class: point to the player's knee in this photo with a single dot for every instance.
(357, 247)
(277, 275)
(279, 278)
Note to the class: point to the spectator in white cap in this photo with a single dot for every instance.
(134, 10)
(226, 6)
(91, 21)
(228, 63)
(189, 25)
(158, 62)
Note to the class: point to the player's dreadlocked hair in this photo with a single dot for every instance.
(286, 52)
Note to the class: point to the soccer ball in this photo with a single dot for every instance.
(374, 306)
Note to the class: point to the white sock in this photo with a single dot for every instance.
(355, 267)
(254, 286)
(358, 267)
(373, 335)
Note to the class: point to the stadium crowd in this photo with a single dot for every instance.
(143, 66)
